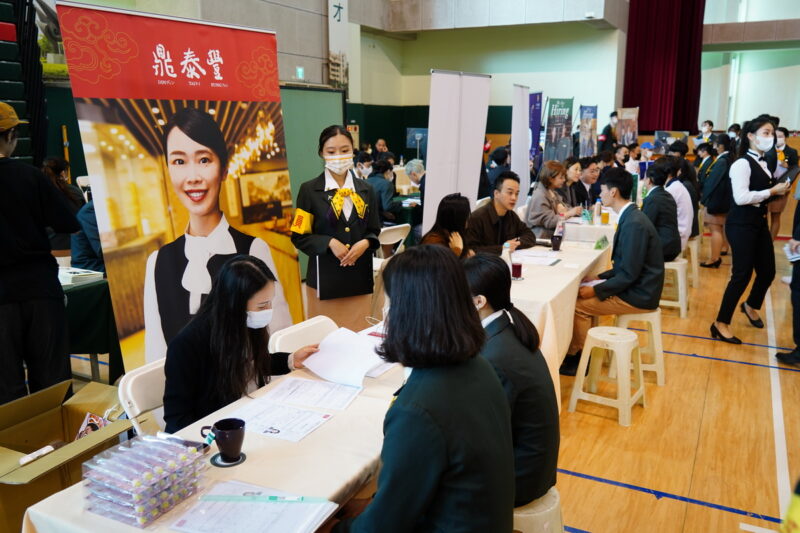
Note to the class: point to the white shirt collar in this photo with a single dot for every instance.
(491, 318)
(624, 207)
(330, 182)
(705, 159)
(198, 250)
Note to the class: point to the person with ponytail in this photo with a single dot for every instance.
(512, 348)
(746, 227)
(221, 355)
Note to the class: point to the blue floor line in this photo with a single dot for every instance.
(87, 359)
(710, 339)
(658, 495)
(789, 369)
(574, 530)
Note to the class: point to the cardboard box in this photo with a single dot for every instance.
(32, 422)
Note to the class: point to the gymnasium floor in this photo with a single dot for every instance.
(715, 448)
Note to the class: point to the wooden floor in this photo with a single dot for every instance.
(702, 457)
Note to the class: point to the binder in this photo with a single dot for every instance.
(335, 281)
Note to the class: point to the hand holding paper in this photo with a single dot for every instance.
(344, 357)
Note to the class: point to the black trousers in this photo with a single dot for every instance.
(751, 248)
(795, 286)
(33, 333)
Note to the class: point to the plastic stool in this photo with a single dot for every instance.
(624, 345)
(540, 516)
(680, 266)
(693, 251)
(654, 346)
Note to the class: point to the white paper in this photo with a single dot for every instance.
(344, 357)
(310, 393)
(534, 252)
(253, 517)
(591, 283)
(541, 261)
(374, 334)
(279, 421)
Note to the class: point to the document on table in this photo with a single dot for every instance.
(279, 421)
(246, 508)
(591, 283)
(344, 357)
(374, 334)
(310, 393)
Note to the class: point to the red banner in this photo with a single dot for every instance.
(166, 58)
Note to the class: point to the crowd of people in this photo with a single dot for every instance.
(495, 375)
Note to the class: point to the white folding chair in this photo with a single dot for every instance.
(142, 390)
(521, 212)
(482, 202)
(83, 185)
(307, 332)
(392, 235)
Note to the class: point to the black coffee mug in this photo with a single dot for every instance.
(555, 241)
(229, 435)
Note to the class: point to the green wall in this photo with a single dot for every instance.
(61, 111)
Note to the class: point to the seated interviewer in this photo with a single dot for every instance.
(494, 224)
(661, 209)
(447, 456)
(512, 348)
(545, 208)
(634, 284)
(221, 355)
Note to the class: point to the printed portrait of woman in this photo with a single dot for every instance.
(179, 275)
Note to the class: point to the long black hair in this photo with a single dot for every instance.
(452, 214)
(200, 127)
(751, 126)
(449, 331)
(239, 354)
(488, 275)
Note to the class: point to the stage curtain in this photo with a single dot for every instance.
(662, 63)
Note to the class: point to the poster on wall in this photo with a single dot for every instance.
(627, 125)
(183, 133)
(535, 122)
(558, 139)
(588, 130)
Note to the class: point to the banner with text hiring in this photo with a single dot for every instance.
(183, 133)
(520, 138)
(627, 125)
(558, 138)
(588, 130)
(456, 127)
(535, 121)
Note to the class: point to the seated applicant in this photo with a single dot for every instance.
(512, 347)
(634, 284)
(381, 181)
(221, 355)
(661, 209)
(496, 223)
(451, 221)
(545, 208)
(447, 457)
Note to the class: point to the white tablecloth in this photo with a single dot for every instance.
(333, 462)
(547, 296)
(588, 232)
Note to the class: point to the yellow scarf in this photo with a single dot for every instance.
(338, 202)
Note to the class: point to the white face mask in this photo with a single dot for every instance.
(365, 171)
(732, 135)
(259, 319)
(646, 155)
(780, 145)
(764, 143)
(339, 164)
(706, 130)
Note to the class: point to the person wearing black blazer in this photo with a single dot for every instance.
(635, 282)
(716, 199)
(785, 168)
(607, 140)
(336, 223)
(793, 357)
(661, 209)
(753, 187)
(583, 188)
(447, 456)
(512, 348)
(221, 355)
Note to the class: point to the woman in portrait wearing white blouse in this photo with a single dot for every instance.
(179, 275)
(746, 228)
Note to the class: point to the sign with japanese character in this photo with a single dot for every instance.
(183, 134)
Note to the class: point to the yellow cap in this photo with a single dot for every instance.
(8, 117)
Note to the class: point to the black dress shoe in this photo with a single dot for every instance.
(724, 253)
(715, 334)
(758, 323)
(570, 365)
(789, 358)
(713, 264)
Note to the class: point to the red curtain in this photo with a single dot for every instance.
(662, 63)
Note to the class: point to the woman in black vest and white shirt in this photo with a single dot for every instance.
(179, 275)
(746, 228)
